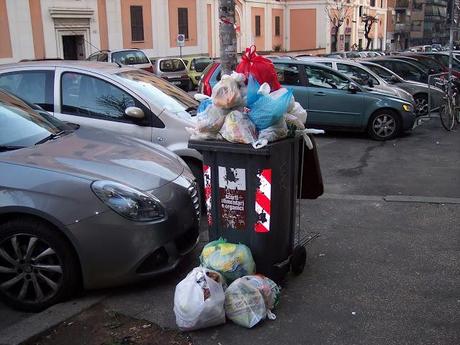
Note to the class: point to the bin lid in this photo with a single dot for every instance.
(225, 146)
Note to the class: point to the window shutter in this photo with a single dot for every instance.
(182, 16)
(137, 24)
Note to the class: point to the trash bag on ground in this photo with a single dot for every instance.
(231, 260)
(269, 290)
(244, 304)
(226, 93)
(266, 111)
(238, 128)
(199, 300)
(260, 67)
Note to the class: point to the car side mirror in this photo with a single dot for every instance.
(353, 88)
(134, 112)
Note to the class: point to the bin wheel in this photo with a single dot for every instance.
(298, 260)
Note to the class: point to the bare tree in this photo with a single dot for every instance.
(368, 23)
(227, 35)
(337, 11)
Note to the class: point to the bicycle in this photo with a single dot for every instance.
(449, 112)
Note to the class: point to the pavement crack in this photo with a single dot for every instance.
(362, 163)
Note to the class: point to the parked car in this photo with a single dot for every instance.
(195, 67)
(443, 58)
(344, 55)
(129, 57)
(123, 100)
(423, 48)
(333, 101)
(405, 69)
(419, 91)
(209, 78)
(174, 71)
(363, 76)
(82, 207)
(430, 65)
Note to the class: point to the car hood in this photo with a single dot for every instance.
(388, 95)
(99, 155)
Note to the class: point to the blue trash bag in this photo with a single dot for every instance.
(266, 111)
(204, 104)
(253, 86)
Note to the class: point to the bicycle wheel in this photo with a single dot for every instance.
(447, 116)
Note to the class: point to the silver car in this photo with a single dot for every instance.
(419, 91)
(124, 100)
(80, 206)
(129, 57)
(173, 70)
(364, 77)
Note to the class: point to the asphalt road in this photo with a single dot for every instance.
(385, 269)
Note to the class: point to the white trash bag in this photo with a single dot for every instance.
(199, 300)
(244, 304)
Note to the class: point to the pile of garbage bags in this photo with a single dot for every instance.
(202, 299)
(249, 106)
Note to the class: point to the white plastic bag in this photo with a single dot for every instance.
(226, 93)
(278, 93)
(238, 128)
(244, 304)
(276, 132)
(199, 300)
(299, 112)
(293, 121)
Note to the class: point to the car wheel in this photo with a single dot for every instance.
(421, 105)
(384, 125)
(37, 268)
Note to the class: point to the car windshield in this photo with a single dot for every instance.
(159, 92)
(172, 65)
(130, 57)
(22, 127)
(199, 65)
(382, 72)
(430, 64)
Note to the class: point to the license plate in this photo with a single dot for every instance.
(175, 82)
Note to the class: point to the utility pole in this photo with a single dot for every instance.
(227, 36)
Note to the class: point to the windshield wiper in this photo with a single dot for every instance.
(4, 148)
(50, 137)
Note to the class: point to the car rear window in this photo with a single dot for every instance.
(199, 65)
(172, 65)
(130, 57)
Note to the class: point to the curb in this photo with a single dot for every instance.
(39, 323)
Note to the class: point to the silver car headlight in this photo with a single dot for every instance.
(128, 202)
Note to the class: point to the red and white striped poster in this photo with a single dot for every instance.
(207, 191)
(263, 201)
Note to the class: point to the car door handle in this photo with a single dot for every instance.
(320, 94)
(160, 139)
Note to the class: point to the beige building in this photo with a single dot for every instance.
(74, 29)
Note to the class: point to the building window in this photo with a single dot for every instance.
(381, 3)
(257, 26)
(182, 20)
(137, 24)
(277, 26)
(360, 11)
(372, 3)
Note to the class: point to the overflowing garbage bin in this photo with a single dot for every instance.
(250, 197)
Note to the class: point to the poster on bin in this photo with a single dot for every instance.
(232, 190)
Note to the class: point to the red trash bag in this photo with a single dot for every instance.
(261, 68)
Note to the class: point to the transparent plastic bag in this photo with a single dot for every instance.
(231, 260)
(293, 121)
(244, 304)
(299, 112)
(226, 93)
(273, 133)
(199, 300)
(238, 128)
(211, 120)
(268, 288)
(266, 111)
